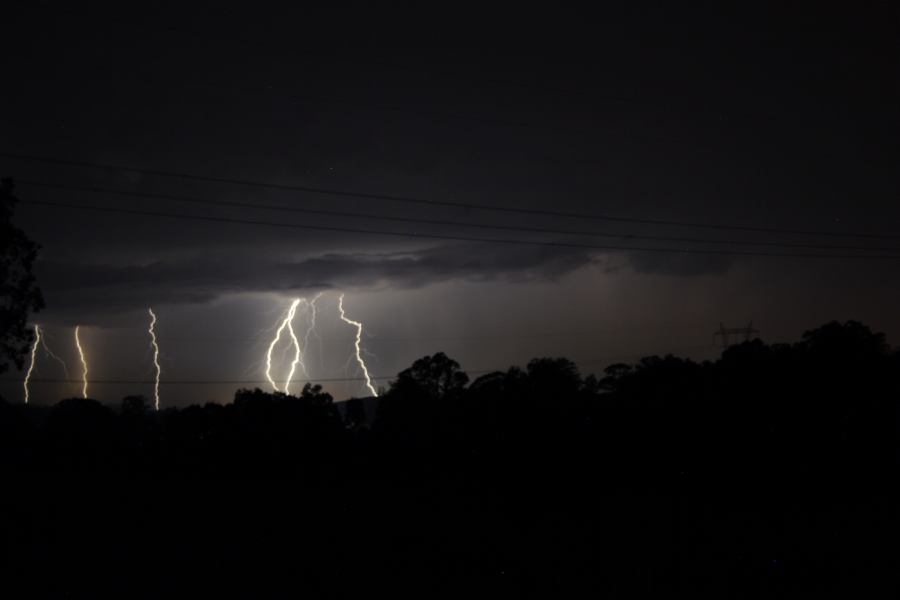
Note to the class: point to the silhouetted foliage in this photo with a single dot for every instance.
(767, 469)
(355, 414)
(827, 402)
(416, 409)
(135, 406)
(19, 294)
(81, 435)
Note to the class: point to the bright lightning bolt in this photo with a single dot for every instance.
(37, 340)
(285, 324)
(359, 328)
(153, 343)
(298, 355)
(311, 329)
(83, 363)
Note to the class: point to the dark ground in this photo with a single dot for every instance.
(770, 473)
(567, 534)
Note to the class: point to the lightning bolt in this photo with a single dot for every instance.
(312, 322)
(298, 354)
(49, 353)
(359, 328)
(311, 327)
(153, 343)
(83, 363)
(37, 340)
(285, 324)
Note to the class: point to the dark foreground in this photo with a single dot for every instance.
(552, 537)
(770, 473)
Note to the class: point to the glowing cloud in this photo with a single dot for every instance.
(357, 344)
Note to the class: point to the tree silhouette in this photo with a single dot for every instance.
(436, 377)
(355, 413)
(81, 435)
(136, 406)
(422, 403)
(19, 294)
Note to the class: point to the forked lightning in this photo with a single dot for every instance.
(287, 323)
(357, 344)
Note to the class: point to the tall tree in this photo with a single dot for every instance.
(19, 294)
(437, 377)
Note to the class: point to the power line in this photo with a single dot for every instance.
(199, 381)
(456, 238)
(313, 381)
(225, 381)
(378, 339)
(427, 202)
(440, 222)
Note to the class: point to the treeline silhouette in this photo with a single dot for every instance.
(823, 405)
(766, 473)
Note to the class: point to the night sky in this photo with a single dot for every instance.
(751, 127)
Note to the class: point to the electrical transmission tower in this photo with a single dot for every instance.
(735, 335)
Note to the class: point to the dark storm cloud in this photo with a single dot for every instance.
(756, 119)
(680, 264)
(123, 288)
